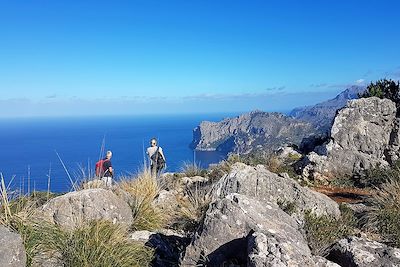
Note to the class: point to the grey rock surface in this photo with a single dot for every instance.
(265, 186)
(168, 246)
(322, 262)
(74, 208)
(365, 134)
(251, 131)
(358, 252)
(322, 114)
(243, 231)
(12, 250)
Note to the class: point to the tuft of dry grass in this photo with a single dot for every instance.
(384, 216)
(144, 189)
(191, 169)
(192, 207)
(323, 231)
(17, 213)
(95, 244)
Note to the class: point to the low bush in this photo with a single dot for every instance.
(323, 231)
(384, 88)
(384, 216)
(287, 206)
(377, 176)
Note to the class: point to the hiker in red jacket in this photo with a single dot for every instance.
(104, 169)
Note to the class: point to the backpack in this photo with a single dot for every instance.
(100, 168)
(158, 159)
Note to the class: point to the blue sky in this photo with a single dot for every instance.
(61, 58)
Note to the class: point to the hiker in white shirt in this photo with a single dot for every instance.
(156, 157)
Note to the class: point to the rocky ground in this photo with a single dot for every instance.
(245, 224)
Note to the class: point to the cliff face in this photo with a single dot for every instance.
(365, 134)
(255, 130)
(321, 115)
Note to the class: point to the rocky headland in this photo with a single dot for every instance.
(267, 131)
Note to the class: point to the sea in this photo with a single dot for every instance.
(41, 153)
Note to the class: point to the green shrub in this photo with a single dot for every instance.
(384, 88)
(384, 216)
(380, 175)
(287, 206)
(323, 231)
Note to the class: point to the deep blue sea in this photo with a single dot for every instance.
(29, 146)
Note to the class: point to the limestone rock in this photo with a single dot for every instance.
(365, 134)
(241, 230)
(166, 200)
(359, 252)
(12, 250)
(191, 180)
(72, 209)
(265, 186)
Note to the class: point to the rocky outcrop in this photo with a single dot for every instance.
(265, 186)
(321, 115)
(358, 252)
(243, 231)
(12, 250)
(72, 209)
(365, 134)
(251, 131)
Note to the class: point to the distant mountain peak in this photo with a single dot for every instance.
(322, 114)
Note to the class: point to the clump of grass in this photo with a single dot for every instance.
(323, 231)
(144, 189)
(218, 171)
(171, 181)
(384, 215)
(287, 206)
(95, 244)
(17, 214)
(191, 169)
(342, 181)
(379, 175)
(192, 207)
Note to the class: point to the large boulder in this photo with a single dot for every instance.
(73, 209)
(261, 184)
(359, 252)
(12, 250)
(365, 134)
(243, 231)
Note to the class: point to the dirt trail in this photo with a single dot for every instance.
(344, 195)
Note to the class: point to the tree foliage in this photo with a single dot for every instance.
(384, 88)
